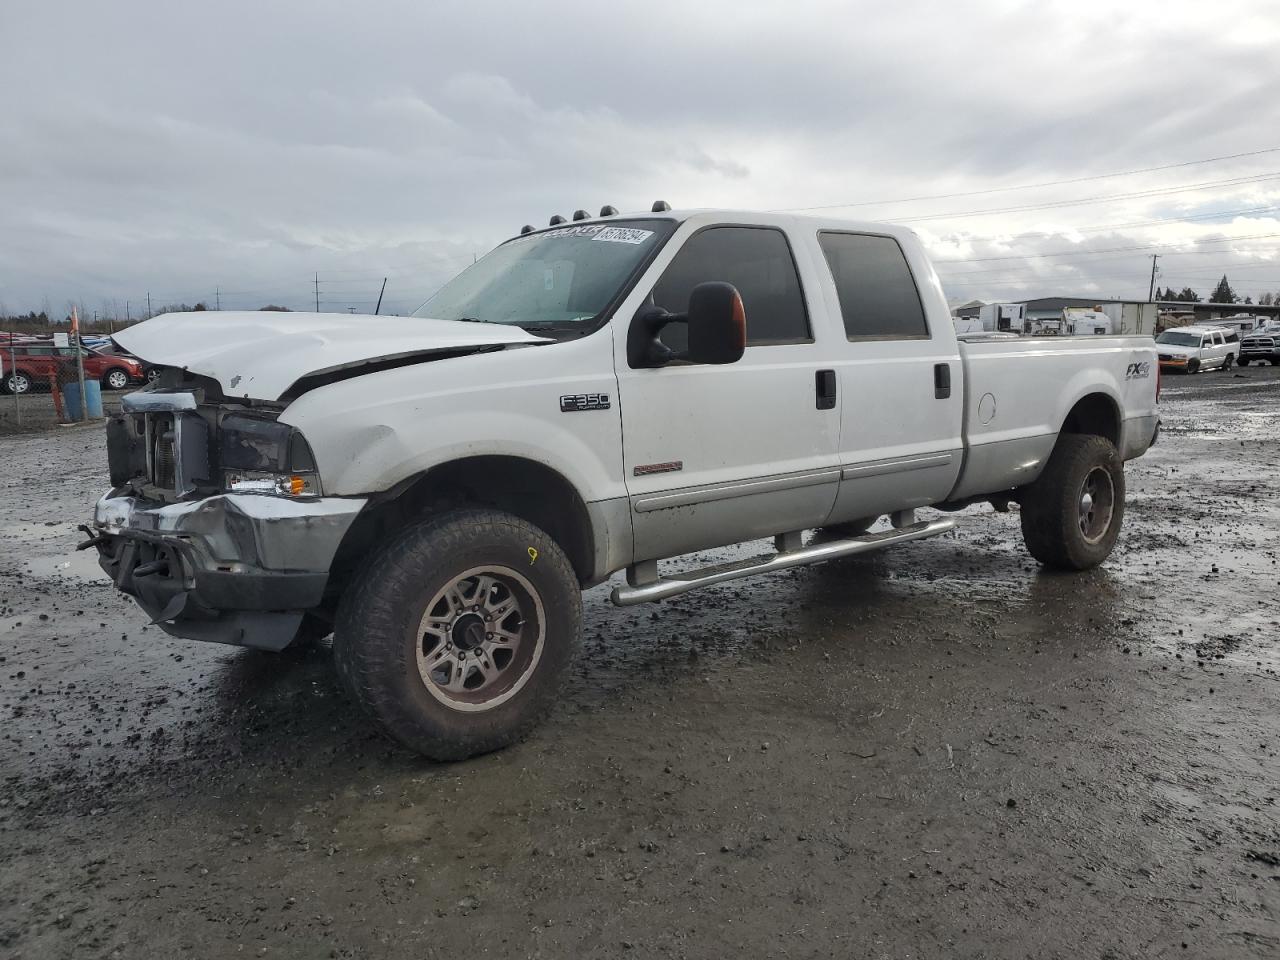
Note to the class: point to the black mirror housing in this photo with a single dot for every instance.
(717, 324)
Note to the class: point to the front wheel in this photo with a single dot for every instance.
(116, 379)
(457, 636)
(1071, 515)
(17, 382)
(1244, 361)
(1193, 365)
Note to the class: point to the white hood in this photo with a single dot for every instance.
(1177, 350)
(261, 354)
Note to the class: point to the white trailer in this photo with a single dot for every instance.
(1006, 317)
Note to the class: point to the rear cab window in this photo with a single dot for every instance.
(879, 299)
(758, 261)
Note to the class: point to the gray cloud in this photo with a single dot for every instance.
(148, 146)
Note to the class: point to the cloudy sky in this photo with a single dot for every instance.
(243, 147)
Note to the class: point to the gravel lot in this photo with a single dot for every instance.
(935, 752)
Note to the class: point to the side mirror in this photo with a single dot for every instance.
(717, 324)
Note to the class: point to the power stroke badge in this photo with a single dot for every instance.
(581, 402)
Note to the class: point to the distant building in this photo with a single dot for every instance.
(1045, 314)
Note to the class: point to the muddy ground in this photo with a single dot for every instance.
(935, 752)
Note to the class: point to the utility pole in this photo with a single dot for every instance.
(217, 298)
(127, 318)
(317, 293)
(380, 293)
(148, 304)
(1151, 290)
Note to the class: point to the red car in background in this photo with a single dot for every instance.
(28, 366)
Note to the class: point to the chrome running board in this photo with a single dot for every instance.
(644, 585)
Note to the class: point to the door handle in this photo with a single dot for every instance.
(825, 384)
(941, 381)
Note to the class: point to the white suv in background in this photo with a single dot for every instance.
(1195, 348)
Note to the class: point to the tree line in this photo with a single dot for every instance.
(44, 321)
(1222, 293)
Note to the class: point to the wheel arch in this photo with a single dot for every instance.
(525, 488)
(1094, 414)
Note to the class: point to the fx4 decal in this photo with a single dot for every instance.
(1138, 371)
(577, 402)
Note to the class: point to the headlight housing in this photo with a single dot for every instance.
(257, 455)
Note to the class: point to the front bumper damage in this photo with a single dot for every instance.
(234, 568)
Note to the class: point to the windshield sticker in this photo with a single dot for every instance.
(591, 231)
(623, 235)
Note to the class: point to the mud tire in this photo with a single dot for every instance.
(1227, 361)
(376, 640)
(1051, 507)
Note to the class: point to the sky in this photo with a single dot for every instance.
(233, 151)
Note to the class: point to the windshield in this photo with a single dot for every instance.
(564, 277)
(1179, 339)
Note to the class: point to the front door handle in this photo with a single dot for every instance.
(825, 383)
(941, 381)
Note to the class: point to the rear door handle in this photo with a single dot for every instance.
(825, 384)
(941, 381)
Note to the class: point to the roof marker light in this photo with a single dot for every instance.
(557, 220)
(660, 206)
(580, 215)
(608, 211)
(527, 228)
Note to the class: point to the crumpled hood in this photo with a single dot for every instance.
(261, 354)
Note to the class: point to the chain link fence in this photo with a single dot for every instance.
(34, 370)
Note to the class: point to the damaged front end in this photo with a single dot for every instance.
(216, 522)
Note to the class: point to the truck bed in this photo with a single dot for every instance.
(1020, 391)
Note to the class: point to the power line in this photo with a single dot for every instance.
(1086, 253)
(1036, 186)
(1095, 228)
(1106, 198)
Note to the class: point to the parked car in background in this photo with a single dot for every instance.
(1261, 345)
(109, 349)
(1196, 348)
(32, 364)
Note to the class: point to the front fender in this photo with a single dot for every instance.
(370, 433)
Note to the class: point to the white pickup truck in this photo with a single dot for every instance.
(601, 395)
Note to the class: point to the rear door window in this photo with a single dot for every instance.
(878, 295)
(756, 260)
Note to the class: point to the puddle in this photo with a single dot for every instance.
(50, 551)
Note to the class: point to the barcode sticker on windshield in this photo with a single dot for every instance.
(623, 235)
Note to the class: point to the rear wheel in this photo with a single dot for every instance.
(1226, 363)
(456, 638)
(1071, 515)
